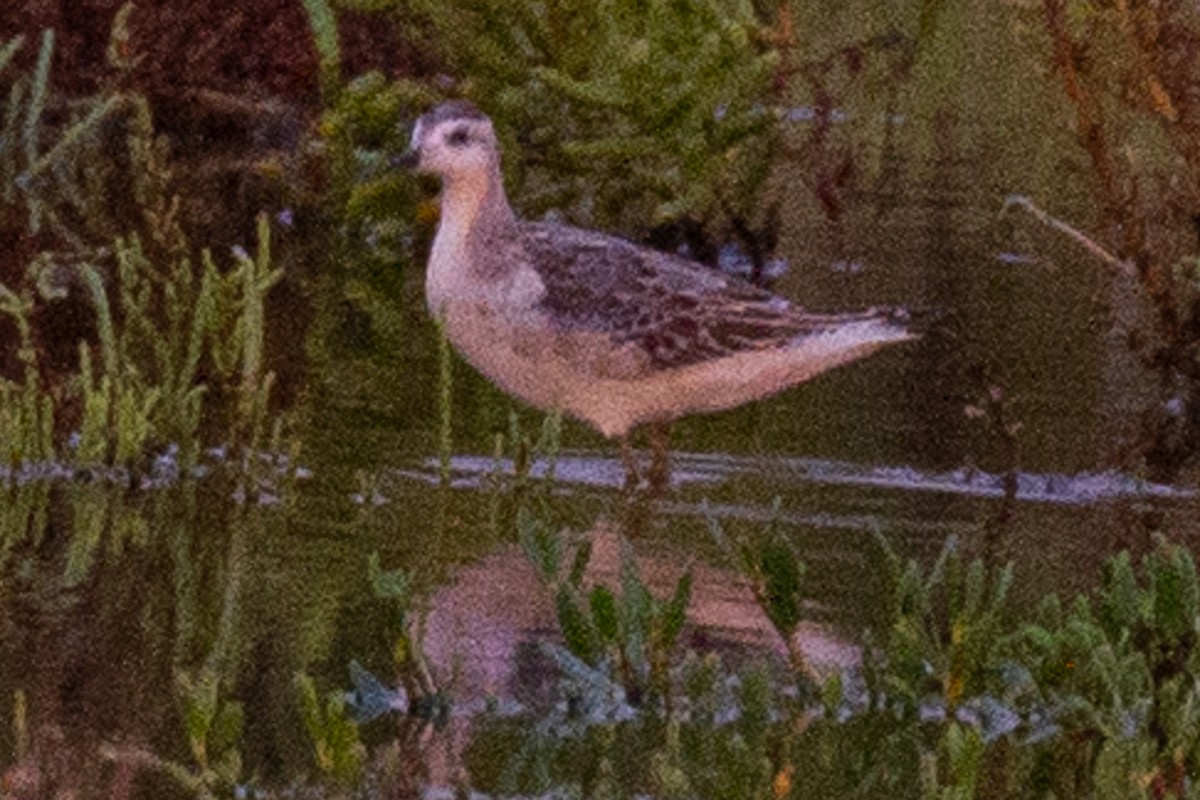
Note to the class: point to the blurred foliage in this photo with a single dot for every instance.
(373, 206)
(26, 412)
(419, 693)
(214, 729)
(46, 189)
(445, 405)
(775, 573)
(517, 452)
(173, 644)
(323, 26)
(624, 115)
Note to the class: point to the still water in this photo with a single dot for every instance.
(1006, 428)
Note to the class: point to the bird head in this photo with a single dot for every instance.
(453, 140)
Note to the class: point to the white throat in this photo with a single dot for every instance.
(477, 259)
(449, 260)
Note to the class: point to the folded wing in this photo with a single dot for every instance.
(678, 312)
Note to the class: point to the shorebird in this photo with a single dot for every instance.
(599, 328)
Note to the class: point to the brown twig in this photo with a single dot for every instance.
(1078, 236)
(1087, 112)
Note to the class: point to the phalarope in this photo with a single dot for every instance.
(597, 327)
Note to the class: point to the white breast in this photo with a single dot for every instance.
(446, 275)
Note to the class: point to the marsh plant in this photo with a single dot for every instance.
(164, 326)
(958, 694)
(156, 326)
(359, 131)
(44, 186)
(627, 638)
(773, 569)
(337, 751)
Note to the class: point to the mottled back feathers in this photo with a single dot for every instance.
(679, 312)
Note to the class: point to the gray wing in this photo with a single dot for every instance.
(677, 311)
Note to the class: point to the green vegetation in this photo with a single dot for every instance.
(339, 754)
(1095, 700)
(45, 188)
(214, 730)
(628, 115)
(144, 393)
(445, 405)
(624, 639)
(325, 35)
(162, 318)
(957, 695)
(26, 414)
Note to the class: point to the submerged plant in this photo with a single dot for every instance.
(338, 753)
(633, 634)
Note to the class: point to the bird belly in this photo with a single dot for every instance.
(615, 388)
(616, 405)
(514, 352)
(581, 374)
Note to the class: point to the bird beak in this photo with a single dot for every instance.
(409, 160)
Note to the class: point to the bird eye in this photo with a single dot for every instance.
(458, 137)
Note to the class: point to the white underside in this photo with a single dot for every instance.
(616, 389)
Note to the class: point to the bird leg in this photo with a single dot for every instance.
(659, 474)
(633, 476)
